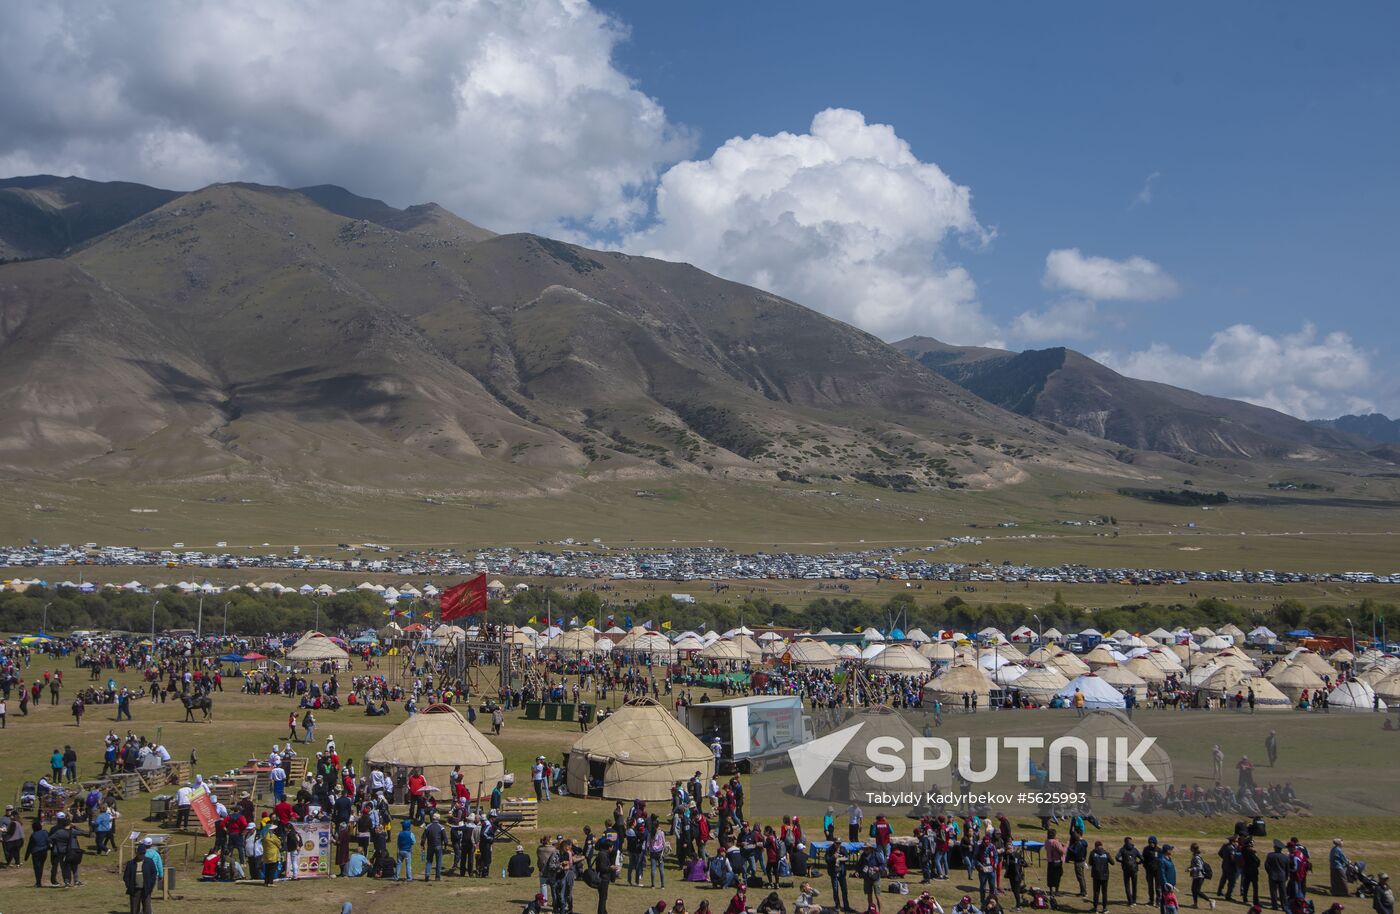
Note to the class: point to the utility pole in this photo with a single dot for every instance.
(153, 627)
(225, 618)
(43, 626)
(199, 626)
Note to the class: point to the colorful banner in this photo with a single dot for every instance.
(317, 850)
(202, 805)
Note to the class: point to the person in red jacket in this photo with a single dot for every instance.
(416, 783)
(881, 831)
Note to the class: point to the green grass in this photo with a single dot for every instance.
(246, 725)
(1307, 535)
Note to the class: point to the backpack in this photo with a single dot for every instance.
(1206, 871)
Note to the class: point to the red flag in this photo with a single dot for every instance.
(465, 599)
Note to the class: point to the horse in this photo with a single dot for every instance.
(203, 702)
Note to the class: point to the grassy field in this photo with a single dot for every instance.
(246, 725)
(1305, 532)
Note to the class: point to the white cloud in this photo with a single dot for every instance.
(1102, 278)
(1085, 281)
(844, 218)
(510, 113)
(1304, 374)
(1144, 196)
(1067, 319)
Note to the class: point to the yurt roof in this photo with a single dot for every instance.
(1100, 656)
(939, 651)
(1098, 693)
(1121, 677)
(642, 732)
(960, 678)
(1296, 676)
(1008, 673)
(723, 649)
(1353, 696)
(1041, 683)
(748, 645)
(1114, 724)
(1166, 659)
(900, 658)
(849, 651)
(1233, 657)
(1146, 670)
(1342, 655)
(1223, 679)
(576, 640)
(689, 642)
(1388, 688)
(315, 648)
(916, 636)
(1051, 633)
(812, 653)
(1267, 695)
(1068, 664)
(438, 737)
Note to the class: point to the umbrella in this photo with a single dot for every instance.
(253, 655)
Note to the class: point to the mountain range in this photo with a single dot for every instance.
(1375, 427)
(311, 336)
(1066, 389)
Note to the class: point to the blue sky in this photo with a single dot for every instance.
(1273, 130)
(1204, 194)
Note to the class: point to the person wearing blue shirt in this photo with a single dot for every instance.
(102, 828)
(1168, 871)
(357, 864)
(404, 871)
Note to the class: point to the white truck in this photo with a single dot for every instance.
(754, 732)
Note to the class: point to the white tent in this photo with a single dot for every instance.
(1040, 684)
(1097, 693)
(1354, 696)
(900, 658)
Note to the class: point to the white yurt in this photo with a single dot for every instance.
(1097, 692)
(1041, 684)
(903, 659)
(1354, 696)
(957, 680)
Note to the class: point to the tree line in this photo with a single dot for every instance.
(247, 613)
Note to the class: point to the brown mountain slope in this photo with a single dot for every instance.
(1069, 389)
(262, 333)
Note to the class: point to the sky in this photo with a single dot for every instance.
(1203, 194)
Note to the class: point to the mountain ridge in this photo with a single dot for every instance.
(1065, 388)
(265, 334)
